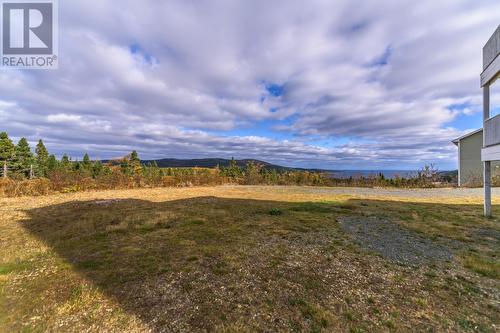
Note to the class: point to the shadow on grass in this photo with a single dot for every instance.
(202, 263)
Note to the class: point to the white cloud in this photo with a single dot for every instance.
(381, 76)
(63, 118)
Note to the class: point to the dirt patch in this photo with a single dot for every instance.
(105, 202)
(394, 242)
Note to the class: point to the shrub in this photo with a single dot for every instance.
(35, 187)
(73, 176)
(275, 212)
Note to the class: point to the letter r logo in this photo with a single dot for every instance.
(27, 28)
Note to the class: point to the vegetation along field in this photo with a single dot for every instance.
(24, 173)
(250, 258)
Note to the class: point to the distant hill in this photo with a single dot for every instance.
(448, 176)
(210, 163)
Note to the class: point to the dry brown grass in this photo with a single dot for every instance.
(239, 259)
(14, 188)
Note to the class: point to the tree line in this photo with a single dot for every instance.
(36, 173)
(17, 161)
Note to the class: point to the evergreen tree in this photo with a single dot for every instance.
(51, 163)
(125, 165)
(7, 148)
(135, 163)
(7, 151)
(86, 160)
(97, 169)
(233, 171)
(232, 163)
(76, 166)
(86, 166)
(134, 159)
(42, 156)
(252, 173)
(23, 160)
(65, 162)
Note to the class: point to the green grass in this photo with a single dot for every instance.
(484, 266)
(234, 264)
(13, 267)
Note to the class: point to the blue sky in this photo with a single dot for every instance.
(336, 84)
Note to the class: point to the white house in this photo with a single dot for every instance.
(470, 166)
(491, 125)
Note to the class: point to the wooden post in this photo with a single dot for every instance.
(486, 164)
(31, 171)
(487, 188)
(5, 169)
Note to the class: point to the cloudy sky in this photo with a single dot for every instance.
(330, 84)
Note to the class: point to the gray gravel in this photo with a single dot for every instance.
(366, 192)
(393, 241)
(405, 193)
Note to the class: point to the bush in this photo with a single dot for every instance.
(68, 177)
(35, 187)
(275, 212)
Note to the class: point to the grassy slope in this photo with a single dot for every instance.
(237, 259)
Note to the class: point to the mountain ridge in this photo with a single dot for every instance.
(211, 163)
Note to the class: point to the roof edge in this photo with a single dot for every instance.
(466, 135)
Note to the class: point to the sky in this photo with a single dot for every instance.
(316, 84)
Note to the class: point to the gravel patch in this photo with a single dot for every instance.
(105, 202)
(488, 234)
(394, 242)
(418, 193)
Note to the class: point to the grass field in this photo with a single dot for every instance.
(243, 259)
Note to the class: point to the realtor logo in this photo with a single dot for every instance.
(29, 34)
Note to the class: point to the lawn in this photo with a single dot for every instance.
(244, 259)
